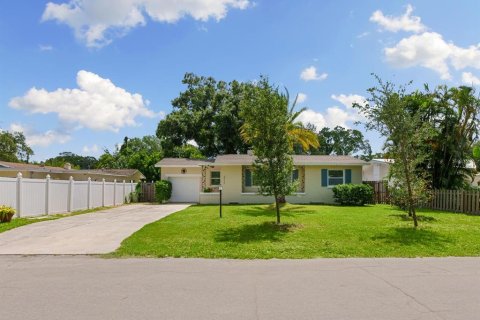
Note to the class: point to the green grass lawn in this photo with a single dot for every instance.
(308, 231)
(18, 222)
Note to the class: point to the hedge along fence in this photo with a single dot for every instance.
(34, 197)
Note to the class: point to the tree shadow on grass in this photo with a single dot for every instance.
(267, 231)
(269, 211)
(405, 217)
(409, 236)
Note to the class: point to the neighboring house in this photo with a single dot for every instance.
(377, 170)
(33, 171)
(199, 180)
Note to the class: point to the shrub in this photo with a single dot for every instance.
(6, 214)
(163, 190)
(353, 194)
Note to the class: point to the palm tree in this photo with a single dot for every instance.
(297, 133)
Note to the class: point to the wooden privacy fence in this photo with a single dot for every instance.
(465, 201)
(380, 191)
(147, 193)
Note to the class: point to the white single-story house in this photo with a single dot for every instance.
(35, 171)
(378, 170)
(198, 181)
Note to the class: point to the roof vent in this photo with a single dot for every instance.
(67, 166)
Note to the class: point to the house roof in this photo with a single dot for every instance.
(246, 159)
(15, 166)
(183, 162)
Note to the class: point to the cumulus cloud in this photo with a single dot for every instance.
(469, 79)
(98, 22)
(310, 73)
(301, 97)
(405, 22)
(91, 150)
(97, 104)
(336, 115)
(42, 139)
(430, 50)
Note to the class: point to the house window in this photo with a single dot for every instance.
(335, 177)
(295, 175)
(215, 178)
(249, 178)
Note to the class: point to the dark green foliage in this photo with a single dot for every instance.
(135, 153)
(13, 147)
(341, 141)
(163, 190)
(353, 194)
(6, 214)
(266, 113)
(207, 112)
(77, 161)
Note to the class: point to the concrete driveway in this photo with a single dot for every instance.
(85, 287)
(92, 233)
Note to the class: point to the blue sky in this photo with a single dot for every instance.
(80, 75)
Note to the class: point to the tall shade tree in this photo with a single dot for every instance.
(14, 148)
(342, 141)
(77, 161)
(387, 112)
(266, 115)
(207, 112)
(135, 153)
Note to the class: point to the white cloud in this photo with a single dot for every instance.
(92, 150)
(34, 138)
(301, 97)
(469, 79)
(405, 22)
(349, 99)
(363, 35)
(97, 104)
(430, 50)
(43, 47)
(335, 115)
(98, 22)
(310, 73)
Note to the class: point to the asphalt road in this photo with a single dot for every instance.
(91, 233)
(85, 287)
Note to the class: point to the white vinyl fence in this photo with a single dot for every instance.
(34, 197)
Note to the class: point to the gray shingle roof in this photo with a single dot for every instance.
(245, 159)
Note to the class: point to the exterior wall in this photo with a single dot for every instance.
(165, 171)
(376, 171)
(232, 183)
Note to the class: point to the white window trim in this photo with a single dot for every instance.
(330, 186)
(219, 178)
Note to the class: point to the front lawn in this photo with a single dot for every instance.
(308, 231)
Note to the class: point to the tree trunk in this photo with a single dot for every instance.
(411, 202)
(281, 199)
(277, 206)
(414, 216)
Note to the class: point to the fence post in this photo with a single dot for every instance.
(124, 194)
(19, 195)
(89, 193)
(114, 192)
(103, 192)
(47, 194)
(70, 194)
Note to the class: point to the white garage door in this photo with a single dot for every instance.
(185, 189)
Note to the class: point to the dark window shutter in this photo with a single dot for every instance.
(324, 177)
(348, 175)
(248, 178)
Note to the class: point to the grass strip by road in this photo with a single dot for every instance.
(19, 222)
(308, 231)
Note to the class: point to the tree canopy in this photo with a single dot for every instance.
(207, 112)
(135, 153)
(14, 148)
(341, 141)
(77, 161)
